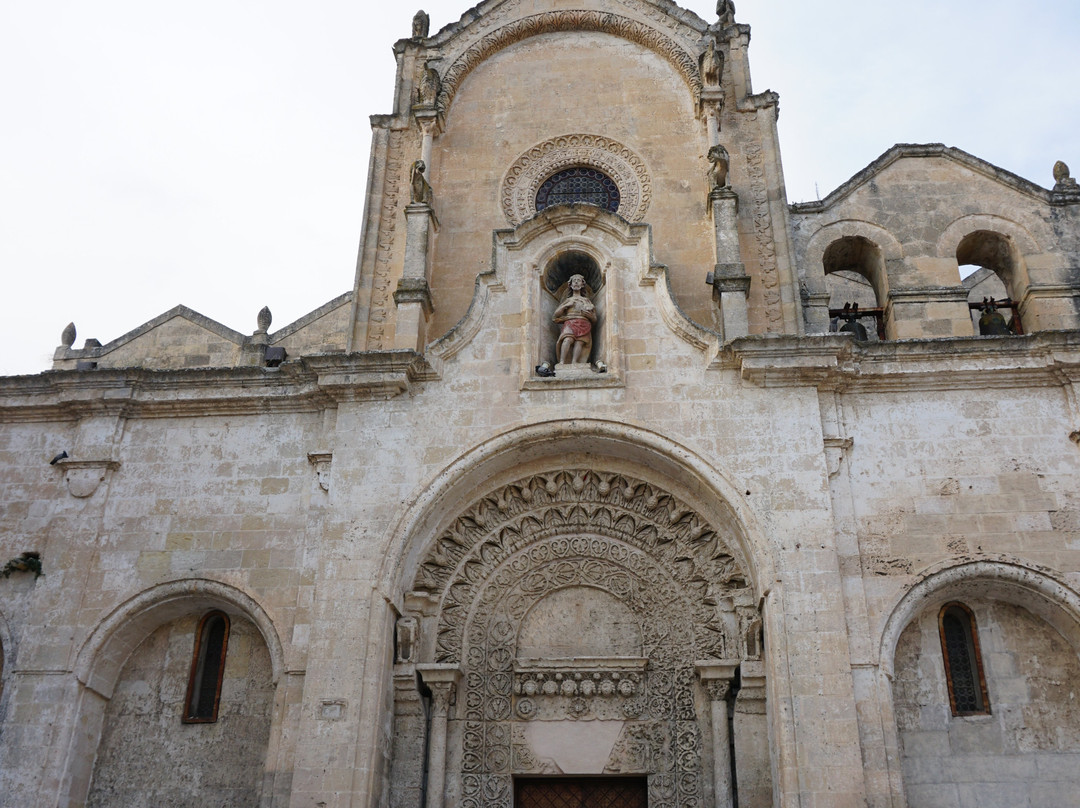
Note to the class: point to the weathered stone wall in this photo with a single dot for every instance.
(565, 84)
(148, 757)
(1027, 751)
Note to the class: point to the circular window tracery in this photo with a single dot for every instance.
(578, 184)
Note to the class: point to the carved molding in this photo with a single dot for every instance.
(581, 528)
(555, 21)
(530, 170)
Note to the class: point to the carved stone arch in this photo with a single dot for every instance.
(964, 226)
(890, 249)
(999, 578)
(573, 531)
(623, 165)
(618, 446)
(103, 654)
(611, 506)
(605, 22)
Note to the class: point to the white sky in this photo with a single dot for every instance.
(214, 153)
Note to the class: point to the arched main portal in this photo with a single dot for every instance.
(579, 620)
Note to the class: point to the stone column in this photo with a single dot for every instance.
(413, 296)
(729, 280)
(442, 680)
(716, 676)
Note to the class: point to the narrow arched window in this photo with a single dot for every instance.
(207, 669)
(963, 662)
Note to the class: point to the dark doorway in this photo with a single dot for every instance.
(581, 792)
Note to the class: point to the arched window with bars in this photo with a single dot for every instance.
(963, 661)
(207, 669)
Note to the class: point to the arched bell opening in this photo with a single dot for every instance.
(858, 287)
(579, 622)
(992, 269)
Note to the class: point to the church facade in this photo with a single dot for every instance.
(615, 479)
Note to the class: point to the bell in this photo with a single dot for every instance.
(991, 322)
(856, 328)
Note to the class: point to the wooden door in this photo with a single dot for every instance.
(581, 792)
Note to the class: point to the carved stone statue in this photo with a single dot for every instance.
(576, 314)
(421, 22)
(430, 84)
(712, 65)
(718, 171)
(725, 10)
(421, 190)
(1063, 179)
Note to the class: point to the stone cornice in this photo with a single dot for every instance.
(833, 361)
(309, 384)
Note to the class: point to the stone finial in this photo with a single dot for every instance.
(725, 10)
(720, 162)
(420, 188)
(264, 319)
(712, 65)
(67, 336)
(421, 23)
(1063, 178)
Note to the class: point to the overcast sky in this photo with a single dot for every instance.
(214, 153)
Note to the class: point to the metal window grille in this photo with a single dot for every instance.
(581, 184)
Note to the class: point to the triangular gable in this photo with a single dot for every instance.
(919, 150)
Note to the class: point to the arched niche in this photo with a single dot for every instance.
(101, 659)
(1027, 667)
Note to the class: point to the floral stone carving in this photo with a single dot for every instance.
(624, 167)
(540, 546)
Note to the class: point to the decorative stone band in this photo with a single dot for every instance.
(529, 171)
(570, 20)
(589, 677)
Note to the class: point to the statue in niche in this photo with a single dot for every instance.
(718, 170)
(421, 23)
(725, 10)
(430, 84)
(420, 190)
(576, 314)
(712, 65)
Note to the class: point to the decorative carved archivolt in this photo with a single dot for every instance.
(554, 21)
(594, 531)
(527, 173)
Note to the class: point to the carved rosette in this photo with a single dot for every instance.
(529, 171)
(637, 543)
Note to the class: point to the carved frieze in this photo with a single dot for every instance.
(628, 171)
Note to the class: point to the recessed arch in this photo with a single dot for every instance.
(555, 444)
(1001, 578)
(559, 21)
(104, 653)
